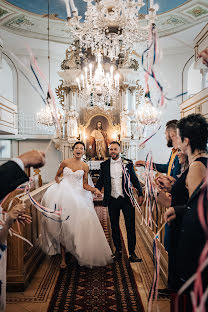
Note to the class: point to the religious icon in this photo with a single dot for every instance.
(99, 141)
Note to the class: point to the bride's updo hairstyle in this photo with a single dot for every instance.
(78, 142)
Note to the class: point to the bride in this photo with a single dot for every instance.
(81, 233)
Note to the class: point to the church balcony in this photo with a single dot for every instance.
(197, 104)
(8, 112)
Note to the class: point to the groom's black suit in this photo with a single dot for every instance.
(121, 203)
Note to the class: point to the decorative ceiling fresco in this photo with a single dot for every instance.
(58, 6)
(29, 18)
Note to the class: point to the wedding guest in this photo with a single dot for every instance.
(172, 168)
(12, 175)
(17, 212)
(178, 196)
(12, 172)
(192, 140)
(116, 187)
(204, 55)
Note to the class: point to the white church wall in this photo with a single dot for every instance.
(28, 101)
(6, 81)
(53, 157)
(170, 68)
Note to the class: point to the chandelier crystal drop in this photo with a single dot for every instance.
(147, 114)
(112, 27)
(96, 86)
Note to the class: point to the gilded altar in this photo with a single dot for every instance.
(97, 122)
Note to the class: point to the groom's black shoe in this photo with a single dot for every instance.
(117, 255)
(133, 258)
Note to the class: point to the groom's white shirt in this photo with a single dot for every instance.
(116, 178)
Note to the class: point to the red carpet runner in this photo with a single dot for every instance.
(104, 289)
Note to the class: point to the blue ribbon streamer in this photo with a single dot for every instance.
(152, 74)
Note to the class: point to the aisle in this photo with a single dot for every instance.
(102, 289)
(90, 288)
(143, 272)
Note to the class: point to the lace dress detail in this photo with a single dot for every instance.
(82, 234)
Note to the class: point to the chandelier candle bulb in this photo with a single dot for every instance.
(82, 78)
(85, 73)
(78, 82)
(140, 3)
(68, 11)
(90, 66)
(151, 3)
(111, 71)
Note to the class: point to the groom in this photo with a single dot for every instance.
(115, 197)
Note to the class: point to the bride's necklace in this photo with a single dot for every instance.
(195, 157)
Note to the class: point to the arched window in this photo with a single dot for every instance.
(8, 80)
(194, 81)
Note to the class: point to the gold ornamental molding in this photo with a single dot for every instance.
(95, 111)
(124, 87)
(132, 89)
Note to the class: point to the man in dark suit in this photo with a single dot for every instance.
(172, 168)
(12, 172)
(116, 189)
(11, 176)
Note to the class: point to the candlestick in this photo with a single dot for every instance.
(111, 71)
(82, 78)
(90, 66)
(74, 9)
(78, 82)
(85, 73)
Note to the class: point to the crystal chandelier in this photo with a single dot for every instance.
(147, 114)
(97, 87)
(45, 116)
(110, 26)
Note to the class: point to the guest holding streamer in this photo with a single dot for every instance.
(192, 140)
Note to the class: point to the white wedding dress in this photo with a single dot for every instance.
(81, 234)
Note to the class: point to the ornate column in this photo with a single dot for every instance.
(73, 97)
(124, 97)
(132, 90)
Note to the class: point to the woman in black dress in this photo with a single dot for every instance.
(179, 196)
(192, 140)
